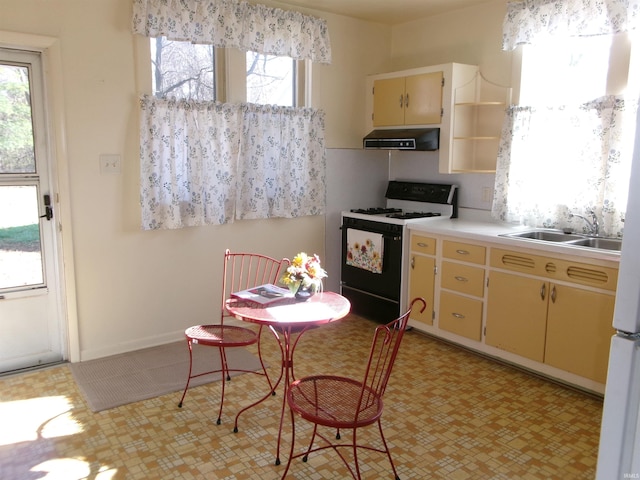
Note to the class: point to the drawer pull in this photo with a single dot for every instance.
(462, 252)
(457, 315)
(422, 244)
(461, 279)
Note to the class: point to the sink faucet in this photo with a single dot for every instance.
(594, 226)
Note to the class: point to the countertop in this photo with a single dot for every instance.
(479, 227)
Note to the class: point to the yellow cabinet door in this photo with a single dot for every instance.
(423, 99)
(579, 331)
(388, 102)
(517, 314)
(413, 100)
(421, 284)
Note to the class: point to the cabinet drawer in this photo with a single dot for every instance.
(463, 278)
(464, 252)
(460, 315)
(422, 244)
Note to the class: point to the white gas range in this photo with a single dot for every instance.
(375, 245)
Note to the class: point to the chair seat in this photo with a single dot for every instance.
(221, 335)
(332, 401)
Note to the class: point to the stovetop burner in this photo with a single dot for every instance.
(377, 211)
(408, 215)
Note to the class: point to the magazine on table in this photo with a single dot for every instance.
(264, 294)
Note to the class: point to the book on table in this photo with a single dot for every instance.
(263, 294)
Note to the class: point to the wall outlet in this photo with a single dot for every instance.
(109, 164)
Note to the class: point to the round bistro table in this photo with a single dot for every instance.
(288, 319)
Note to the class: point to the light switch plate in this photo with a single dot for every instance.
(109, 164)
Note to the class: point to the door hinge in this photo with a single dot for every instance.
(433, 315)
(485, 331)
(443, 81)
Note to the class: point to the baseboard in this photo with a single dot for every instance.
(132, 345)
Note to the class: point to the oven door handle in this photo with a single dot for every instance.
(395, 238)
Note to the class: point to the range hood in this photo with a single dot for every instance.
(424, 139)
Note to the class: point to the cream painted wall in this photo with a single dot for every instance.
(135, 289)
(471, 36)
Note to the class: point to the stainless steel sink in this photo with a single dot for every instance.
(597, 242)
(569, 239)
(546, 235)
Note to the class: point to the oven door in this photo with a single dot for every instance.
(373, 294)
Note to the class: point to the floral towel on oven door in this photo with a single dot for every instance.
(364, 250)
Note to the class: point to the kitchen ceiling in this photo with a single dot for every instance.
(391, 12)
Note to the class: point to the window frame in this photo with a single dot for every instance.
(230, 74)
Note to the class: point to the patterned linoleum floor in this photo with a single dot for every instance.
(449, 414)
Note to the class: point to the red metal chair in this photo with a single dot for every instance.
(345, 403)
(240, 272)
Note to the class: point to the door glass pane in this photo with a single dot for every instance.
(16, 128)
(20, 253)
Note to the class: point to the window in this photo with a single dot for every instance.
(185, 70)
(270, 79)
(571, 136)
(575, 70)
(568, 71)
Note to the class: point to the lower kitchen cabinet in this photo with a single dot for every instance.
(566, 326)
(460, 315)
(579, 331)
(549, 313)
(422, 276)
(517, 314)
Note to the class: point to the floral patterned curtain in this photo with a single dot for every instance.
(208, 163)
(530, 21)
(556, 160)
(229, 23)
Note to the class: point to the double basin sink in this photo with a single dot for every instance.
(569, 239)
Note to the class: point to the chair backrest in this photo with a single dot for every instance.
(245, 270)
(384, 349)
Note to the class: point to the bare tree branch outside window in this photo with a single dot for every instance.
(183, 70)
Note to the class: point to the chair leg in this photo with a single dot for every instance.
(189, 377)
(224, 376)
(264, 369)
(355, 453)
(386, 448)
(313, 437)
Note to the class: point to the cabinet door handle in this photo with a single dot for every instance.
(422, 244)
(462, 252)
(461, 279)
(543, 291)
(406, 100)
(553, 294)
(401, 100)
(457, 315)
(413, 263)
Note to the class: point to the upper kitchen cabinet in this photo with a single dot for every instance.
(479, 108)
(424, 97)
(411, 100)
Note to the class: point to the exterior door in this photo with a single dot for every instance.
(31, 332)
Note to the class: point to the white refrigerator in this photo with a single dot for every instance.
(619, 452)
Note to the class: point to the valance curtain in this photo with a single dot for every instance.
(210, 163)
(229, 23)
(531, 21)
(558, 159)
